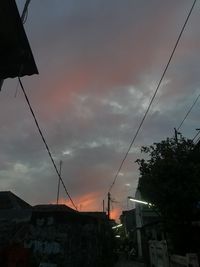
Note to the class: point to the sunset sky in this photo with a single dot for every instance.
(99, 63)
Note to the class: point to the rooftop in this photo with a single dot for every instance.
(9, 200)
(53, 208)
(95, 214)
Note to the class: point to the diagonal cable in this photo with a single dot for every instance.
(44, 141)
(196, 135)
(190, 109)
(154, 95)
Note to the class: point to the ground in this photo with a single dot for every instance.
(129, 263)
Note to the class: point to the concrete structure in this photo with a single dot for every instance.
(147, 221)
(127, 218)
(52, 234)
(69, 238)
(95, 214)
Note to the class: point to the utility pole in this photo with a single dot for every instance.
(175, 135)
(58, 192)
(138, 218)
(109, 205)
(103, 206)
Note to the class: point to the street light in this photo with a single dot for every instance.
(139, 222)
(145, 203)
(140, 201)
(117, 226)
(138, 218)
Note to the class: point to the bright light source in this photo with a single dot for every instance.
(117, 226)
(139, 201)
(117, 236)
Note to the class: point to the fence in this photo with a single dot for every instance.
(159, 256)
(190, 260)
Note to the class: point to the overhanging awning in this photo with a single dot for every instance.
(16, 58)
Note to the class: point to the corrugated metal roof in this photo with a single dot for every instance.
(15, 52)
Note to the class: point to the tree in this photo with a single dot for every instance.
(170, 179)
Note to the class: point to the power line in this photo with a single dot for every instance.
(153, 97)
(196, 134)
(190, 109)
(25, 12)
(197, 141)
(44, 141)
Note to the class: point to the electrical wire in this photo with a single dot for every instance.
(154, 95)
(24, 15)
(197, 141)
(190, 109)
(196, 135)
(44, 141)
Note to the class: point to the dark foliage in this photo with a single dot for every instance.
(170, 179)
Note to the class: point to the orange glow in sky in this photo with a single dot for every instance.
(90, 202)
